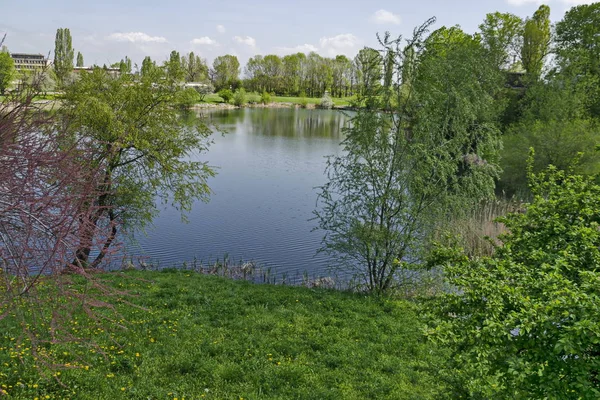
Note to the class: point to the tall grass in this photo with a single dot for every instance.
(477, 230)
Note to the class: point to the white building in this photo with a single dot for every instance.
(28, 62)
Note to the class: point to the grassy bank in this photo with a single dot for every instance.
(255, 98)
(208, 337)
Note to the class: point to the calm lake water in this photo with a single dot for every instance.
(268, 165)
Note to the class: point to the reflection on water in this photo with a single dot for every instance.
(268, 165)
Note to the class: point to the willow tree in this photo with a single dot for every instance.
(435, 152)
(141, 147)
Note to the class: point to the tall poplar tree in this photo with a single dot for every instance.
(63, 54)
(536, 42)
(79, 59)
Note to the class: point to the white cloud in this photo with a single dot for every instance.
(345, 43)
(136, 37)
(247, 40)
(221, 29)
(578, 2)
(569, 3)
(385, 17)
(524, 2)
(204, 40)
(303, 48)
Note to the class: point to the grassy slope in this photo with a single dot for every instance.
(340, 102)
(209, 337)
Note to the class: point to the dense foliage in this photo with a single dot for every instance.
(400, 170)
(523, 323)
(140, 144)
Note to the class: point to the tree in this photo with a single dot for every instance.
(369, 66)
(79, 59)
(292, 73)
(195, 68)
(400, 169)
(273, 67)
(578, 50)
(125, 65)
(148, 66)
(523, 323)
(63, 54)
(7, 71)
(255, 73)
(47, 191)
(226, 95)
(536, 42)
(174, 67)
(204, 89)
(341, 76)
(140, 145)
(501, 34)
(225, 72)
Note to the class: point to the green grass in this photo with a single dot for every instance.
(206, 337)
(339, 102)
(253, 97)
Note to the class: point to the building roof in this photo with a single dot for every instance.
(26, 55)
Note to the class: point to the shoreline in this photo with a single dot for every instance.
(227, 106)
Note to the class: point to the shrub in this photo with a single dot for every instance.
(204, 90)
(239, 98)
(523, 323)
(326, 101)
(304, 102)
(265, 98)
(226, 95)
(187, 98)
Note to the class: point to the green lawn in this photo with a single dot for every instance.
(206, 337)
(253, 97)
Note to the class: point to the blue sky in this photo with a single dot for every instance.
(105, 31)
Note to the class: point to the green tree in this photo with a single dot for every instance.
(204, 89)
(195, 68)
(226, 95)
(79, 59)
(341, 76)
(369, 65)
(578, 50)
(174, 68)
(63, 55)
(255, 73)
(501, 34)
(536, 42)
(225, 72)
(125, 65)
(7, 71)
(139, 144)
(523, 323)
(292, 73)
(239, 97)
(555, 122)
(148, 67)
(273, 68)
(400, 169)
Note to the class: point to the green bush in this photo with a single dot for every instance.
(326, 101)
(187, 98)
(265, 98)
(226, 95)
(524, 322)
(304, 102)
(239, 98)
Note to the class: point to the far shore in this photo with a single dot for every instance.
(227, 106)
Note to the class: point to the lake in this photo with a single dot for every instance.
(268, 165)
